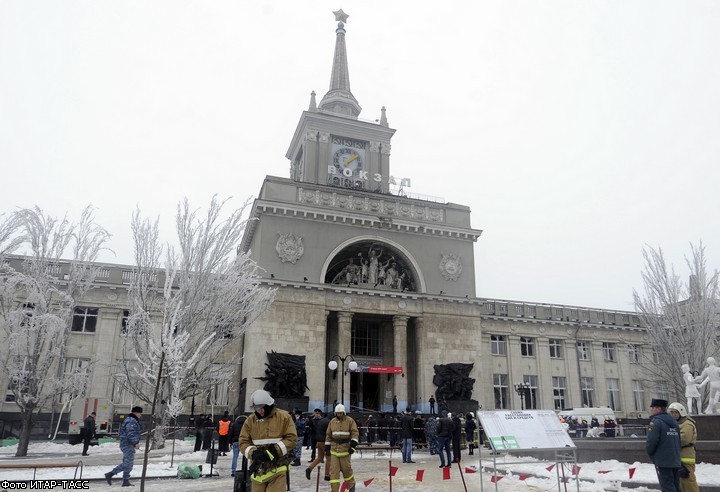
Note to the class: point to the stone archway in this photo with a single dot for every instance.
(372, 264)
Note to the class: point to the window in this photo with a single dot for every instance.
(556, 348)
(219, 393)
(583, 350)
(527, 346)
(123, 393)
(587, 392)
(124, 322)
(19, 381)
(613, 386)
(500, 389)
(638, 395)
(559, 390)
(76, 375)
(609, 351)
(661, 390)
(28, 310)
(531, 402)
(224, 331)
(365, 338)
(633, 353)
(655, 356)
(497, 346)
(85, 319)
(518, 310)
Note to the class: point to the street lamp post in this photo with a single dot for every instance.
(352, 365)
(521, 389)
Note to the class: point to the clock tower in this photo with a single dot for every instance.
(331, 146)
(360, 270)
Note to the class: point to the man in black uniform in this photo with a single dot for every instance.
(88, 432)
(663, 446)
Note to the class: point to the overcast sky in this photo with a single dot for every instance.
(576, 131)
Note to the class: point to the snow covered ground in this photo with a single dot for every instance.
(371, 471)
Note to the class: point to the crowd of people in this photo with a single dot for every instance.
(580, 427)
(271, 439)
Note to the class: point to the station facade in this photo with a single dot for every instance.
(363, 271)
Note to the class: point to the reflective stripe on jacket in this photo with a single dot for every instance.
(276, 428)
(340, 432)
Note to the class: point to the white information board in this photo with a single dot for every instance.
(524, 429)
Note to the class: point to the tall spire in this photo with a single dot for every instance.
(339, 99)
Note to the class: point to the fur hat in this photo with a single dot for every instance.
(136, 410)
(656, 402)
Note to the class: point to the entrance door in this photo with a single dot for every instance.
(364, 391)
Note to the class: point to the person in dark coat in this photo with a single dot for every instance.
(207, 433)
(456, 434)
(663, 446)
(470, 427)
(394, 424)
(235, 429)
(443, 438)
(431, 401)
(319, 430)
(372, 430)
(88, 432)
(406, 434)
(419, 429)
(383, 424)
(609, 427)
(199, 423)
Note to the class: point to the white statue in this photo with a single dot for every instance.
(711, 374)
(691, 390)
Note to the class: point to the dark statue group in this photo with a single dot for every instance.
(285, 377)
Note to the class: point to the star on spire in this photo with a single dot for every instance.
(340, 16)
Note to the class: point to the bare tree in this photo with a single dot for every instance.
(182, 319)
(37, 301)
(682, 317)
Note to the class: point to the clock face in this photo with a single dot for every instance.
(347, 160)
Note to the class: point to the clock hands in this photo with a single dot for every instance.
(350, 159)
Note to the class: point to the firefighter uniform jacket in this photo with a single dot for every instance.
(339, 433)
(275, 428)
(688, 438)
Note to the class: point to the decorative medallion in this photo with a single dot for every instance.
(289, 248)
(347, 300)
(112, 296)
(450, 267)
(402, 304)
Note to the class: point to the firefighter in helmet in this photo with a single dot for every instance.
(341, 440)
(266, 440)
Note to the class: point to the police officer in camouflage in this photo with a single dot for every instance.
(130, 432)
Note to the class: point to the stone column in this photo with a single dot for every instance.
(423, 372)
(544, 397)
(400, 354)
(344, 344)
(515, 370)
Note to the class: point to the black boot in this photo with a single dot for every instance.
(108, 477)
(308, 472)
(126, 483)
